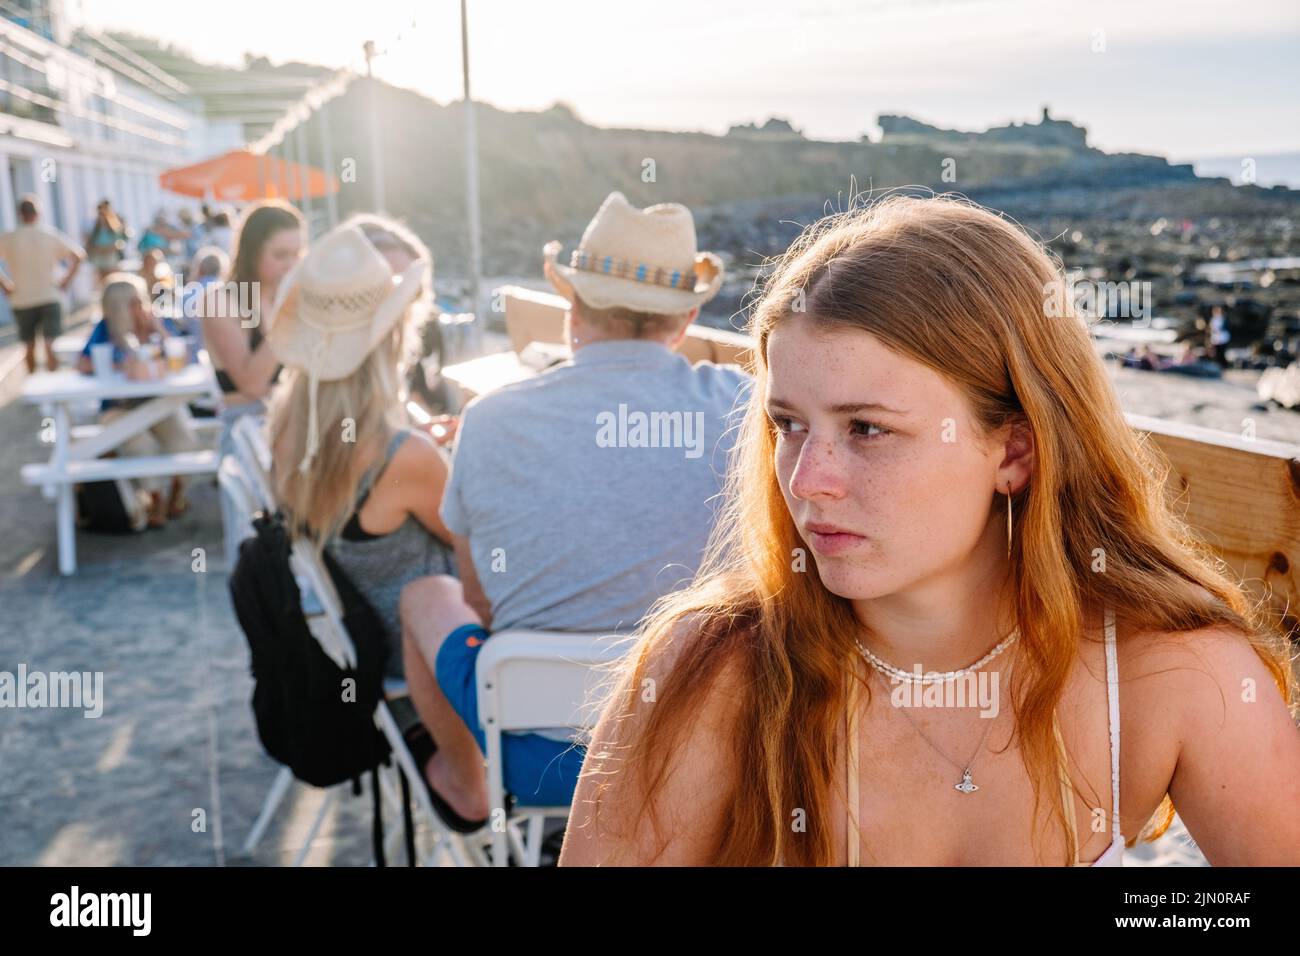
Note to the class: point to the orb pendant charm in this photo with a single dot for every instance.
(966, 785)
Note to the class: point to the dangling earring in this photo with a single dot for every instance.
(1008, 520)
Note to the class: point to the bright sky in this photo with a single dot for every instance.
(1183, 78)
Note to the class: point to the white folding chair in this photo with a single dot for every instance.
(246, 489)
(327, 627)
(238, 505)
(254, 457)
(245, 484)
(323, 611)
(530, 680)
(250, 467)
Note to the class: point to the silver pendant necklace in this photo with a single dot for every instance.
(966, 785)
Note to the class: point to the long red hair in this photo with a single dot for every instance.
(963, 291)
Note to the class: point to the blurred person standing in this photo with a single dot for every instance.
(32, 254)
(106, 240)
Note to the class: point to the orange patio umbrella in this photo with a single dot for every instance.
(241, 176)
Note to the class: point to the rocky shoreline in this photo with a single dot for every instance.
(1180, 248)
(1197, 245)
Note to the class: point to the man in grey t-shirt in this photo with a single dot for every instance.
(579, 497)
(587, 492)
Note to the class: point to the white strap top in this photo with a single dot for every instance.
(1113, 855)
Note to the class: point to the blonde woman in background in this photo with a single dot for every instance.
(128, 322)
(935, 482)
(349, 470)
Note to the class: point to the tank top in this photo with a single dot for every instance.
(224, 381)
(381, 565)
(1113, 855)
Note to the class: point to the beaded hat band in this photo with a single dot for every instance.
(684, 279)
(645, 260)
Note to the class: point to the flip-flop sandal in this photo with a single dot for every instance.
(422, 746)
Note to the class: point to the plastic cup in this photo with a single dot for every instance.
(177, 352)
(101, 359)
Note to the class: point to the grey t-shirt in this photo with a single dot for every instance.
(590, 490)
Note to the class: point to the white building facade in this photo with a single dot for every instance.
(74, 132)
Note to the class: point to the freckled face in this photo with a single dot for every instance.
(882, 500)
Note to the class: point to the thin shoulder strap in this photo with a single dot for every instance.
(851, 720)
(377, 469)
(1112, 700)
(1067, 789)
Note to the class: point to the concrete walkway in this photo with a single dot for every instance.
(172, 773)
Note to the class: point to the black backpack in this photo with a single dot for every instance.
(303, 720)
(109, 507)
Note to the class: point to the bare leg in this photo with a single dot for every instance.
(157, 513)
(177, 502)
(29, 356)
(51, 360)
(431, 608)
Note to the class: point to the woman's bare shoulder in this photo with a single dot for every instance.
(1237, 754)
(1188, 683)
(419, 457)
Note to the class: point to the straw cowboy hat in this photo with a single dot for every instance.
(335, 306)
(639, 259)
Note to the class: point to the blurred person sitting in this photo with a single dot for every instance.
(129, 326)
(206, 268)
(192, 237)
(557, 522)
(220, 230)
(158, 235)
(348, 469)
(271, 239)
(160, 281)
(1217, 336)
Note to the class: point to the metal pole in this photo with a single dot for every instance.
(376, 164)
(304, 173)
(327, 160)
(471, 168)
(295, 172)
(285, 194)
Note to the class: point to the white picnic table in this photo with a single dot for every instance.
(69, 345)
(75, 454)
(487, 373)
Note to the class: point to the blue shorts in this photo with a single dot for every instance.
(539, 771)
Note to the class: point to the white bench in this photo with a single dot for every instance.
(201, 426)
(135, 466)
(77, 450)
